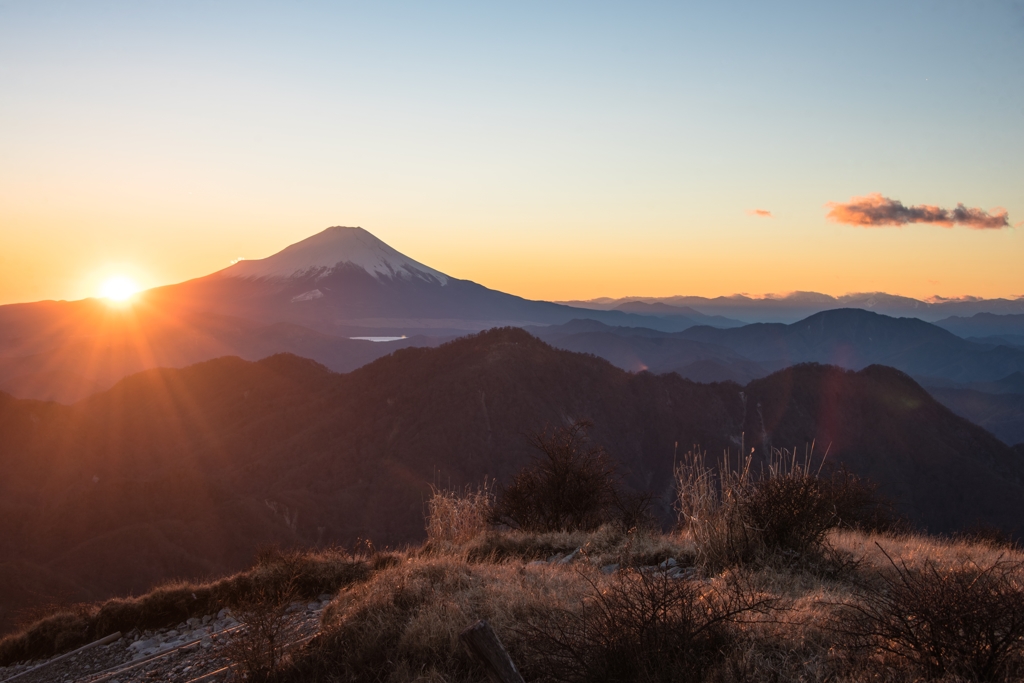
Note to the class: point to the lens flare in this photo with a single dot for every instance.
(118, 289)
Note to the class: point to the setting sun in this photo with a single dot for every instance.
(118, 289)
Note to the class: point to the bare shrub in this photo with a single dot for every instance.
(641, 626)
(257, 647)
(454, 517)
(571, 487)
(966, 620)
(736, 514)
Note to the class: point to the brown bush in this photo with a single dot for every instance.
(256, 649)
(966, 620)
(573, 486)
(643, 626)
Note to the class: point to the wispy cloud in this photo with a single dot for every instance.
(875, 211)
(763, 213)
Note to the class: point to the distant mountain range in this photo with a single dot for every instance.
(980, 381)
(987, 328)
(310, 299)
(849, 338)
(184, 472)
(795, 306)
(320, 297)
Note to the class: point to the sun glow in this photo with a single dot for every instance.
(118, 289)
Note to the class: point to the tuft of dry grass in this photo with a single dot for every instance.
(403, 624)
(736, 515)
(610, 544)
(454, 517)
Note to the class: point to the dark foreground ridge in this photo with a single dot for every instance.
(183, 473)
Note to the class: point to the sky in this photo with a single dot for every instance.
(555, 150)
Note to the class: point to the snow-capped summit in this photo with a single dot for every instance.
(320, 254)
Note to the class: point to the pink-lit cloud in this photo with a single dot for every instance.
(763, 213)
(875, 211)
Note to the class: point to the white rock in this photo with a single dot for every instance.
(570, 557)
(144, 644)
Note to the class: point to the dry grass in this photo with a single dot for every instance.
(403, 624)
(309, 574)
(454, 517)
(644, 626)
(608, 545)
(398, 615)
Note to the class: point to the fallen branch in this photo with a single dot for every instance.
(484, 644)
(121, 668)
(102, 641)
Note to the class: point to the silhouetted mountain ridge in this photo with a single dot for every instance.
(186, 471)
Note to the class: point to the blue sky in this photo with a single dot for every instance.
(555, 150)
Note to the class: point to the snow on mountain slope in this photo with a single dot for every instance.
(321, 253)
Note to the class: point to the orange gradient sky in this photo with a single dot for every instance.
(555, 153)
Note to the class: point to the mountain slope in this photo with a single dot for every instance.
(187, 471)
(639, 349)
(1002, 414)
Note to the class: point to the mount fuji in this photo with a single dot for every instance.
(347, 282)
(317, 298)
(337, 247)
